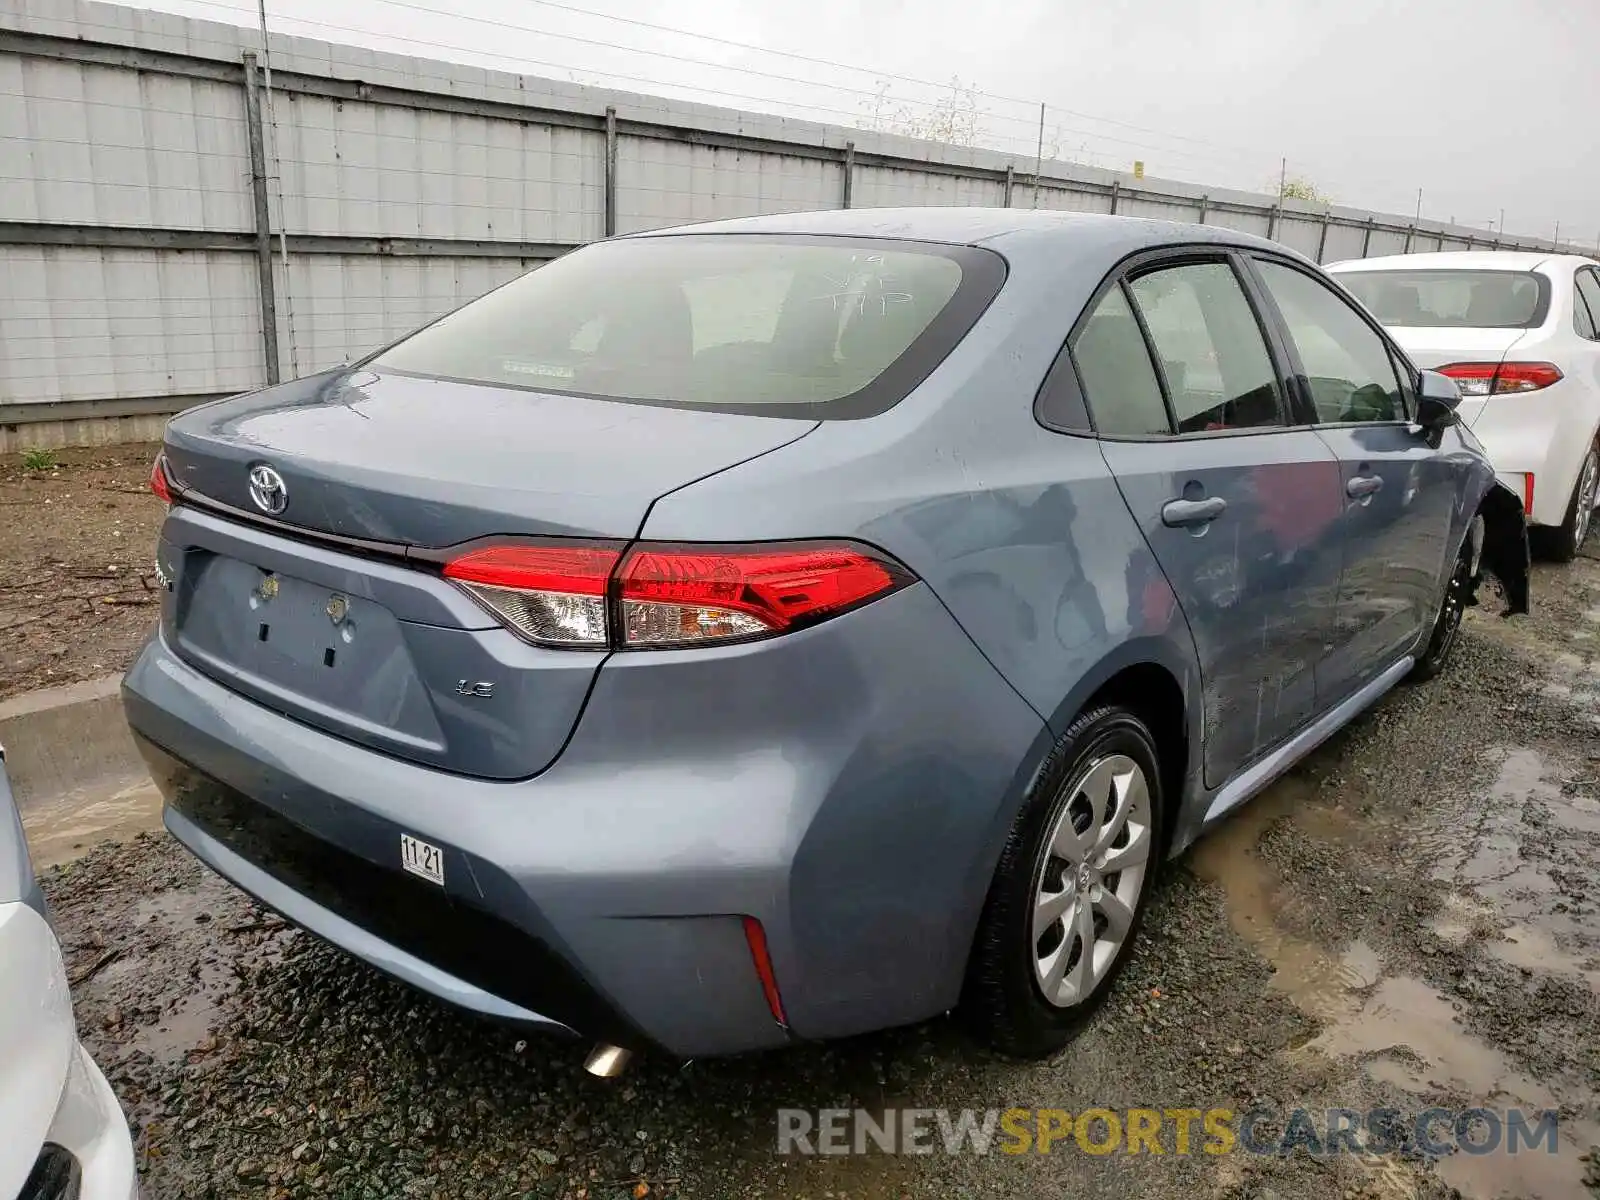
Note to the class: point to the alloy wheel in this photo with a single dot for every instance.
(1587, 484)
(1089, 884)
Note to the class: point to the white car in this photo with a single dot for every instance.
(1517, 332)
(62, 1134)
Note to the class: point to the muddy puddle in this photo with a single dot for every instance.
(61, 828)
(1495, 885)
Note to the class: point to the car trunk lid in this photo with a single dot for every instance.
(424, 462)
(328, 612)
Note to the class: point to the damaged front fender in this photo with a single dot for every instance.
(1503, 551)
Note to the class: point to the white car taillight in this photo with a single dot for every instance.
(1498, 379)
(586, 596)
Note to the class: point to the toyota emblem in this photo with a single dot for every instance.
(268, 490)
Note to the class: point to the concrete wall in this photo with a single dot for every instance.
(130, 266)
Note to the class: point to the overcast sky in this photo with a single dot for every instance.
(1483, 104)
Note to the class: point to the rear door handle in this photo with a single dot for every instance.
(1181, 514)
(1362, 485)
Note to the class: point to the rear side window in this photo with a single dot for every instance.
(1347, 365)
(1118, 378)
(810, 327)
(1586, 304)
(1452, 299)
(1208, 348)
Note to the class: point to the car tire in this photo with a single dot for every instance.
(1562, 542)
(1447, 625)
(1051, 886)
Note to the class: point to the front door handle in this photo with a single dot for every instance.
(1362, 485)
(1181, 514)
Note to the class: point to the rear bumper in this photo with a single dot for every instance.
(232, 834)
(849, 786)
(1544, 434)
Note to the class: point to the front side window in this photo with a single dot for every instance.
(809, 327)
(1347, 365)
(1209, 347)
(1119, 381)
(1586, 304)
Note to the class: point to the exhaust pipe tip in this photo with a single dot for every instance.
(606, 1061)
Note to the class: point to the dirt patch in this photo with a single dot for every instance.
(78, 540)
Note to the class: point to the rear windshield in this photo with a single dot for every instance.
(1452, 299)
(813, 327)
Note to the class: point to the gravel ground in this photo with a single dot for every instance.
(1407, 919)
(77, 539)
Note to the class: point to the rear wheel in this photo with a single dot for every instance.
(1069, 894)
(1561, 543)
(1447, 625)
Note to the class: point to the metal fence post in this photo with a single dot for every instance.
(611, 171)
(1116, 191)
(1322, 238)
(1011, 179)
(1205, 203)
(1411, 232)
(849, 174)
(258, 190)
(1272, 221)
(1366, 238)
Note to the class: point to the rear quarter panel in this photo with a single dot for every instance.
(1020, 532)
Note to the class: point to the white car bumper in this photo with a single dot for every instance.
(1545, 434)
(51, 1092)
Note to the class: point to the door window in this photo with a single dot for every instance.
(1347, 364)
(1118, 378)
(1209, 348)
(1586, 304)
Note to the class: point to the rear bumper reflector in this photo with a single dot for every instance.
(757, 937)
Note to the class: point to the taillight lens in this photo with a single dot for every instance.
(662, 596)
(159, 483)
(553, 595)
(1498, 379)
(677, 595)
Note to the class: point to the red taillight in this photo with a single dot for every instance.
(1527, 494)
(756, 936)
(551, 594)
(159, 483)
(580, 570)
(1498, 379)
(567, 594)
(687, 594)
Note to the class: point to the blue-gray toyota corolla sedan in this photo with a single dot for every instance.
(796, 626)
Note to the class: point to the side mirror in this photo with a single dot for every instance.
(1437, 398)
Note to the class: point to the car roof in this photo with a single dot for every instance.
(975, 226)
(1460, 260)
